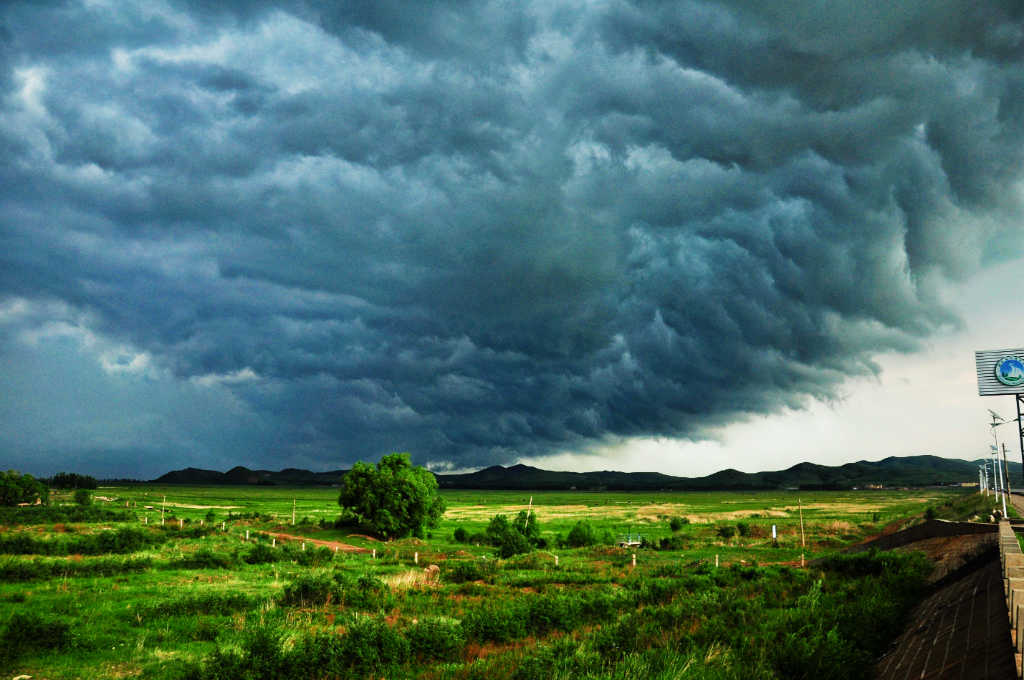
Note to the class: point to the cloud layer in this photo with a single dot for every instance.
(482, 231)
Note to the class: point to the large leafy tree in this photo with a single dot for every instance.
(392, 499)
(18, 488)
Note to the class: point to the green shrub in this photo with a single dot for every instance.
(309, 590)
(547, 613)
(673, 543)
(582, 534)
(371, 646)
(726, 532)
(677, 523)
(514, 537)
(743, 529)
(436, 639)
(261, 658)
(314, 557)
(194, 604)
(122, 540)
(20, 569)
(460, 535)
(82, 497)
(460, 572)
(618, 639)
(204, 559)
(363, 592)
(28, 631)
(51, 514)
(261, 553)
(505, 620)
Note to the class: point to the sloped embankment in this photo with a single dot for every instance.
(961, 630)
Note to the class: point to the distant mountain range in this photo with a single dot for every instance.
(890, 472)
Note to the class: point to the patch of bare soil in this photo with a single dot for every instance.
(334, 545)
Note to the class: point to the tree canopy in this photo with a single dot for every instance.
(393, 499)
(72, 480)
(18, 488)
(519, 535)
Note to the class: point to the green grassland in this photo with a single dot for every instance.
(113, 596)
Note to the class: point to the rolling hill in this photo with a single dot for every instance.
(889, 472)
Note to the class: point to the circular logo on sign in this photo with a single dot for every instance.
(1010, 371)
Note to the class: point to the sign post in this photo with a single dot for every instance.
(1001, 372)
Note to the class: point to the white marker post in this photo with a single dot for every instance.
(803, 543)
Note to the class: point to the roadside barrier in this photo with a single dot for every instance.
(1011, 559)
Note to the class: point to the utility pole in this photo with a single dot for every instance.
(1000, 487)
(1006, 471)
(803, 543)
(998, 420)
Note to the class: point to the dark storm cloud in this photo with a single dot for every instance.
(483, 231)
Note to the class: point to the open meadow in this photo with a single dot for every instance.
(111, 590)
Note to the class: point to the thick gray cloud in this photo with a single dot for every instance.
(481, 230)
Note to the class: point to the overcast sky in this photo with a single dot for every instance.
(663, 236)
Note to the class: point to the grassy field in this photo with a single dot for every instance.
(108, 596)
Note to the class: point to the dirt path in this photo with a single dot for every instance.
(342, 547)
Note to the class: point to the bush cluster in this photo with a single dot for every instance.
(122, 540)
(15, 569)
(677, 523)
(460, 535)
(770, 622)
(204, 559)
(583, 534)
(362, 592)
(519, 535)
(464, 571)
(369, 648)
(193, 604)
(52, 514)
(29, 632)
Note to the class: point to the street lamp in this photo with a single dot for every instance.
(998, 420)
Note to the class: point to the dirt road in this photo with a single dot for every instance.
(334, 545)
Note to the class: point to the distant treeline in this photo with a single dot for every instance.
(71, 480)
